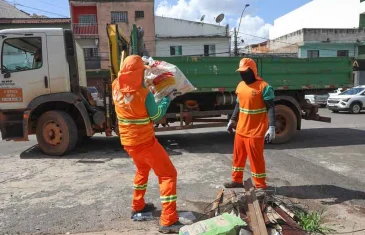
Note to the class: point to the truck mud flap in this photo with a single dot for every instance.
(14, 125)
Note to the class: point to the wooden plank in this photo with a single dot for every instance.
(215, 206)
(291, 227)
(291, 214)
(273, 216)
(254, 210)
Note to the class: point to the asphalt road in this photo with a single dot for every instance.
(90, 190)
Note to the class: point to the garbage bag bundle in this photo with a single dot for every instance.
(225, 224)
(162, 78)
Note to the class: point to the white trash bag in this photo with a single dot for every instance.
(163, 78)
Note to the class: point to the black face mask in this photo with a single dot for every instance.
(248, 76)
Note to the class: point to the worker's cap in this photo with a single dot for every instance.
(133, 63)
(245, 64)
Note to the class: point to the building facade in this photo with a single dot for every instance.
(312, 43)
(9, 11)
(321, 28)
(323, 14)
(89, 20)
(176, 37)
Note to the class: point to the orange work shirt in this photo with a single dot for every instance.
(253, 118)
(135, 125)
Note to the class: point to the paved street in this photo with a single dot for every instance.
(90, 190)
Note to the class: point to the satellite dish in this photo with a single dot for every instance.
(202, 18)
(219, 18)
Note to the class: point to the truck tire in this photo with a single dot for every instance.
(57, 133)
(286, 124)
(355, 108)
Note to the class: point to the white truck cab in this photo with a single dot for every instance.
(43, 89)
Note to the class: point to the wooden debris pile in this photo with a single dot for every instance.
(263, 216)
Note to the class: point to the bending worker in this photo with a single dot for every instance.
(136, 110)
(254, 121)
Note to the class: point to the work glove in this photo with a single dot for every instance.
(173, 94)
(231, 127)
(270, 134)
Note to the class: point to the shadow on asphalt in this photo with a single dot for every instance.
(213, 142)
(321, 192)
(323, 137)
(94, 148)
(222, 142)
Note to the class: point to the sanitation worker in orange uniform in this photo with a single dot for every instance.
(254, 121)
(136, 110)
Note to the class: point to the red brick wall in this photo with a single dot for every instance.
(147, 23)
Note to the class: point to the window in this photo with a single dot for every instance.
(209, 50)
(87, 19)
(312, 53)
(21, 54)
(119, 16)
(139, 14)
(175, 50)
(91, 53)
(353, 91)
(342, 53)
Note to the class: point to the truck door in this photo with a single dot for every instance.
(24, 70)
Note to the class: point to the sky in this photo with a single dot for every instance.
(257, 19)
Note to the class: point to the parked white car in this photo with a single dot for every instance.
(321, 100)
(352, 100)
(336, 92)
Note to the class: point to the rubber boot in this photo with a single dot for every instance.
(233, 185)
(147, 208)
(174, 228)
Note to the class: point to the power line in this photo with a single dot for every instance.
(53, 5)
(15, 3)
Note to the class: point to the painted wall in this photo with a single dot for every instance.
(319, 14)
(82, 10)
(169, 27)
(176, 27)
(192, 46)
(328, 50)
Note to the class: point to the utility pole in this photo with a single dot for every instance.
(236, 32)
(235, 43)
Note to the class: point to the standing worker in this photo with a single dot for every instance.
(136, 110)
(255, 113)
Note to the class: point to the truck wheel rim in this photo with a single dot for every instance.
(356, 108)
(52, 133)
(280, 124)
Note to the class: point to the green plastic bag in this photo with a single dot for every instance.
(225, 224)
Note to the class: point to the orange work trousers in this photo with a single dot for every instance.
(152, 155)
(254, 149)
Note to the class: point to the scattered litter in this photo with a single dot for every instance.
(186, 218)
(143, 216)
(224, 224)
(258, 213)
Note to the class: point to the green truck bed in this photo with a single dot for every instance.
(218, 73)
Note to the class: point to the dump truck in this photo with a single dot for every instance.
(43, 88)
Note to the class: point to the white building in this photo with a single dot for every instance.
(175, 37)
(322, 14)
